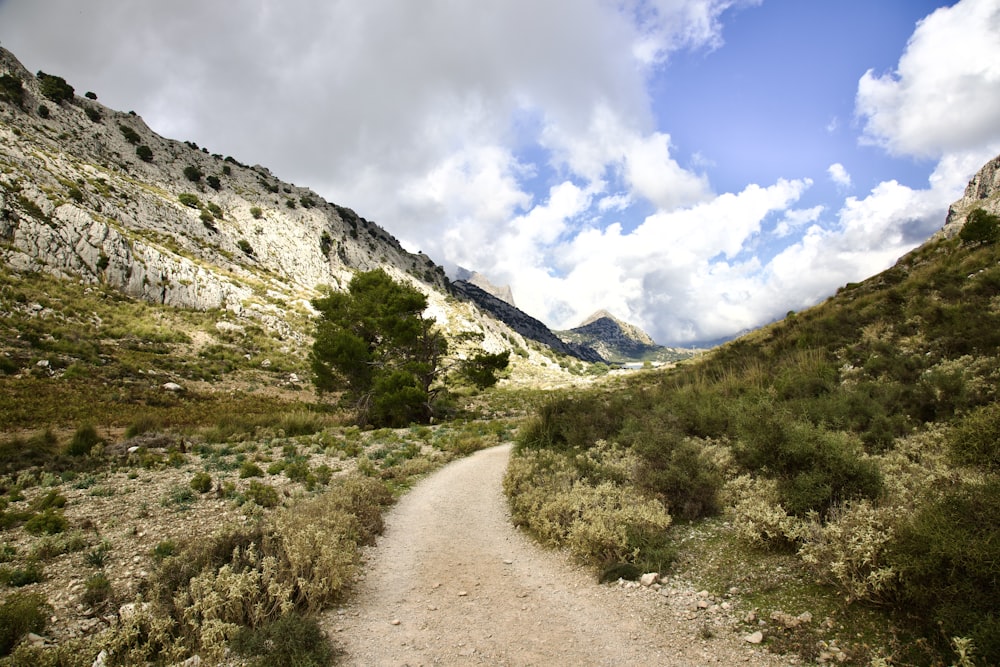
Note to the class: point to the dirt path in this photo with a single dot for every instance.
(453, 583)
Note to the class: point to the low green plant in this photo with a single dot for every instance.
(96, 589)
(164, 549)
(48, 522)
(20, 614)
(256, 212)
(945, 558)
(29, 573)
(144, 153)
(250, 469)
(192, 173)
(262, 494)
(190, 200)
(976, 438)
(201, 482)
(130, 135)
(293, 640)
(84, 440)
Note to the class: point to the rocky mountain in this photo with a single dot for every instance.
(93, 194)
(525, 325)
(620, 342)
(502, 292)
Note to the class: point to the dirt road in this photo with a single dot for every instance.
(451, 582)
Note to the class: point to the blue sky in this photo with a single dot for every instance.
(697, 167)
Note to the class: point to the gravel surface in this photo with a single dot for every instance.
(451, 582)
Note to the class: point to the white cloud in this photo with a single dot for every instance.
(945, 93)
(838, 174)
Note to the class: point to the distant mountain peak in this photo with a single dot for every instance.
(607, 326)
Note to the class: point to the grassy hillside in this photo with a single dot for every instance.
(156, 524)
(843, 461)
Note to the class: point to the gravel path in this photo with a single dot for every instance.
(451, 582)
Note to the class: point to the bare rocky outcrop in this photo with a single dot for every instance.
(983, 191)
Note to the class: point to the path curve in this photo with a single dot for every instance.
(451, 582)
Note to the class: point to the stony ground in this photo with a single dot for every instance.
(453, 583)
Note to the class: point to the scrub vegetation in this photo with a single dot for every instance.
(854, 444)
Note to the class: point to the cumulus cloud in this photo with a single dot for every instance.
(838, 174)
(520, 139)
(944, 95)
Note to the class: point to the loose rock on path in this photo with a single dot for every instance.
(452, 582)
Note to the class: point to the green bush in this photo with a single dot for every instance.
(30, 573)
(84, 441)
(814, 468)
(264, 495)
(976, 438)
(48, 522)
(677, 471)
(130, 135)
(96, 589)
(192, 173)
(294, 640)
(145, 153)
(55, 87)
(214, 183)
(256, 212)
(93, 113)
(245, 246)
(12, 90)
(43, 111)
(189, 199)
(946, 559)
(164, 549)
(980, 228)
(201, 482)
(250, 469)
(20, 614)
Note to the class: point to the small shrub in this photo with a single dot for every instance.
(980, 228)
(51, 499)
(43, 111)
(93, 113)
(264, 495)
(30, 573)
(946, 558)
(192, 173)
(201, 482)
(96, 589)
(178, 496)
(20, 614)
(250, 469)
(98, 556)
(214, 183)
(256, 212)
(293, 640)
(84, 440)
(144, 153)
(90, 95)
(48, 522)
(12, 90)
(55, 87)
(245, 246)
(188, 199)
(130, 135)
(215, 209)
(976, 439)
(164, 549)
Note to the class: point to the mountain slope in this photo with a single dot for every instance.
(620, 342)
(93, 194)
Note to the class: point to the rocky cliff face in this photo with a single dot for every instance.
(93, 194)
(983, 191)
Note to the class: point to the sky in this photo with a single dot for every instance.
(698, 168)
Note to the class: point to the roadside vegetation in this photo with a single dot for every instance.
(171, 486)
(843, 461)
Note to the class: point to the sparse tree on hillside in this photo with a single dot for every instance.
(12, 90)
(55, 87)
(981, 228)
(375, 342)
